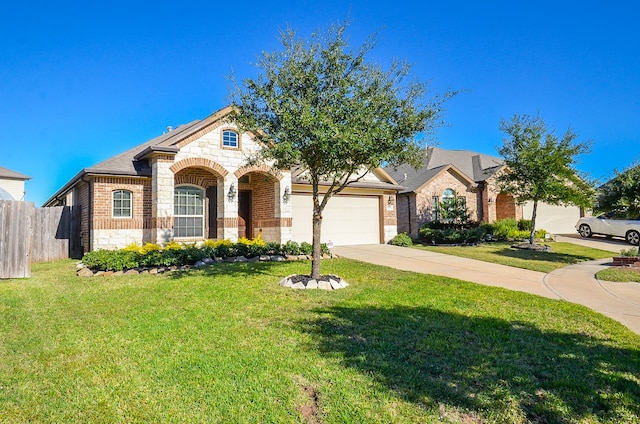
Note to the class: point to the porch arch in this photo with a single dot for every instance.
(199, 163)
(259, 168)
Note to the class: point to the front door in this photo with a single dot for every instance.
(212, 201)
(244, 214)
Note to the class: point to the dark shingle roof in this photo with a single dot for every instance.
(476, 167)
(12, 175)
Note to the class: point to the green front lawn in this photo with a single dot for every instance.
(619, 274)
(227, 344)
(561, 254)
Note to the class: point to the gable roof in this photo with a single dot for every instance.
(472, 166)
(12, 175)
(133, 162)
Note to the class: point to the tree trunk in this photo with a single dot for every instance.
(532, 236)
(316, 253)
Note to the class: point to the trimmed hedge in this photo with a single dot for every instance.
(503, 229)
(173, 253)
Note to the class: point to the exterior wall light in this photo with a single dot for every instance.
(286, 196)
(232, 193)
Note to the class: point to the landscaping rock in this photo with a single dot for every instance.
(265, 258)
(199, 264)
(312, 284)
(208, 261)
(85, 272)
(291, 258)
(324, 285)
(277, 258)
(132, 272)
(118, 273)
(241, 259)
(299, 286)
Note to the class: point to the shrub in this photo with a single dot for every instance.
(465, 235)
(111, 260)
(401, 239)
(306, 248)
(291, 248)
(633, 251)
(525, 225)
(271, 248)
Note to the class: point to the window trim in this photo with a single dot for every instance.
(222, 139)
(113, 203)
(201, 215)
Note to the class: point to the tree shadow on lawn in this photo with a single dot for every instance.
(278, 270)
(483, 364)
(563, 258)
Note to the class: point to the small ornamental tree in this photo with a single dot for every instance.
(540, 167)
(453, 210)
(621, 194)
(320, 106)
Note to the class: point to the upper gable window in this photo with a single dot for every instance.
(448, 195)
(122, 203)
(230, 139)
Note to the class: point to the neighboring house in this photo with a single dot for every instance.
(472, 177)
(194, 183)
(12, 184)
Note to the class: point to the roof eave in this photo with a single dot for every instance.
(153, 150)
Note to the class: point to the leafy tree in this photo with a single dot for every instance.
(453, 210)
(540, 166)
(320, 106)
(621, 194)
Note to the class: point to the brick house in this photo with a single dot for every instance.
(472, 177)
(195, 182)
(12, 184)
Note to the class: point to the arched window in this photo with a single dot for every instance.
(122, 203)
(448, 195)
(230, 139)
(188, 211)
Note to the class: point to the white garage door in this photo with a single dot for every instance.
(346, 220)
(554, 219)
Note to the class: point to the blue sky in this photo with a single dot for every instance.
(81, 82)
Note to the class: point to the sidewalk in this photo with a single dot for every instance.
(574, 283)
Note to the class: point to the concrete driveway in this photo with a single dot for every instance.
(575, 283)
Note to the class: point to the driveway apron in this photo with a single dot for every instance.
(575, 283)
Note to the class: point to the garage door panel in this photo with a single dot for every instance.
(345, 220)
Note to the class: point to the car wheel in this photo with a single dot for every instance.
(585, 231)
(633, 237)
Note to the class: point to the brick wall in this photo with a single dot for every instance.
(110, 232)
(446, 180)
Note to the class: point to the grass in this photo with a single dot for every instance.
(619, 274)
(227, 344)
(561, 254)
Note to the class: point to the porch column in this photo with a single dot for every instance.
(162, 188)
(228, 208)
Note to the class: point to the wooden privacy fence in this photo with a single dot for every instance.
(29, 234)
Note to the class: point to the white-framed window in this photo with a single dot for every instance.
(448, 195)
(230, 139)
(188, 211)
(121, 204)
